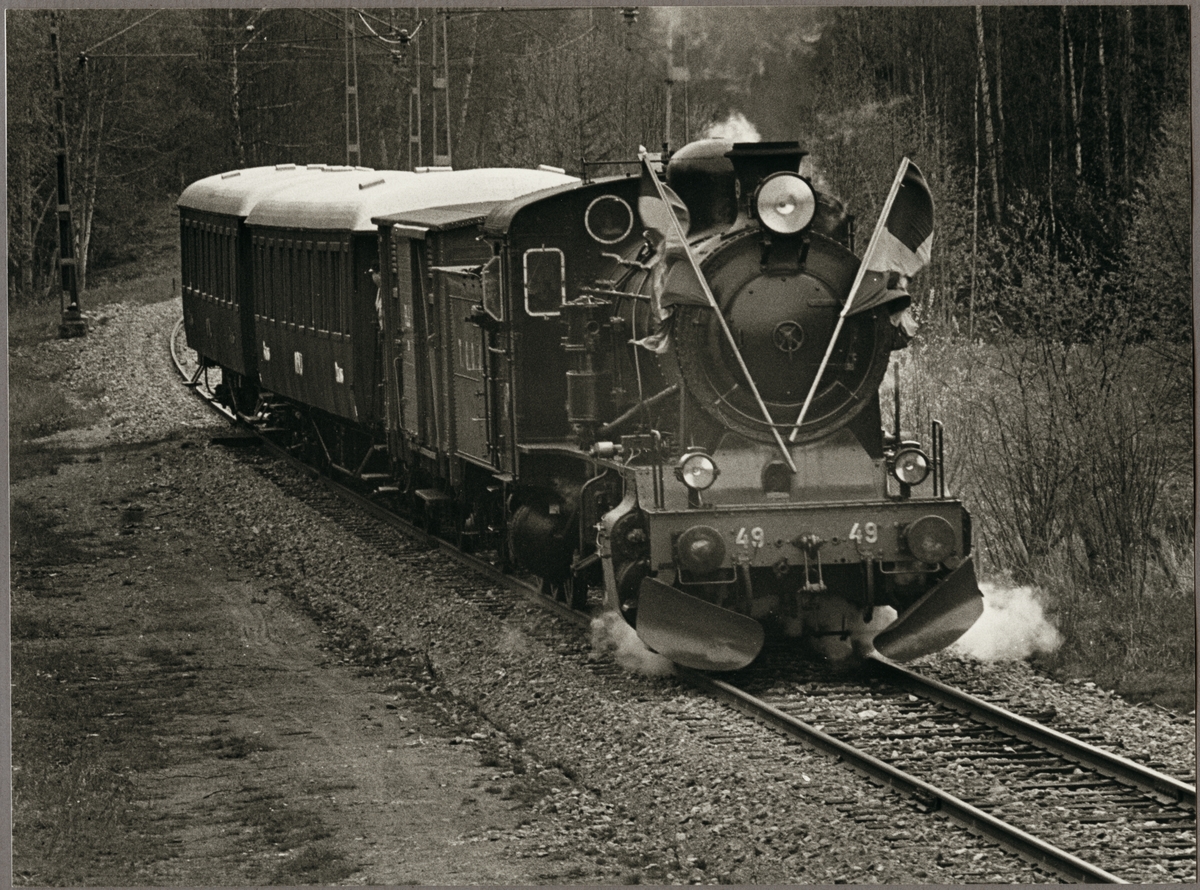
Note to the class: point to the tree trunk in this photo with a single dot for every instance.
(1106, 126)
(1001, 136)
(974, 221)
(1075, 98)
(989, 132)
(465, 99)
(1062, 75)
(1126, 91)
(235, 110)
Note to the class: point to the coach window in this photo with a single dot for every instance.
(256, 273)
(203, 259)
(231, 267)
(218, 266)
(226, 268)
(493, 305)
(186, 234)
(308, 313)
(545, 281)
(261, 276)
(210, 262)
(320, 312)
(319, 292)
(276, 288)
(343, 295)
(291, 304)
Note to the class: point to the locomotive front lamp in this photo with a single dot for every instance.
(785, 203)
(910, 466)
(931, 539)
(697, 471)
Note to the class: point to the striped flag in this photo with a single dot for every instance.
(902, 241)
(665, 219)
(900, 246)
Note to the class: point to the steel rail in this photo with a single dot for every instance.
(193, 381)
(974, 819)
(1105, 762)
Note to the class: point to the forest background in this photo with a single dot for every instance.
(1057, 330)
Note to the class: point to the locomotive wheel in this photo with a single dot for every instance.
(568, 591)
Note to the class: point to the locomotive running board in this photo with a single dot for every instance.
(935, 620)
(695, 633)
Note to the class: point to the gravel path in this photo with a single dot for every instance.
(627, 778)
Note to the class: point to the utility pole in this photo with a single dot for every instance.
(73, 323)
(441, 90)
(675, 74)
(353, 145)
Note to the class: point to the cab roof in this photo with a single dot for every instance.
(438, 219)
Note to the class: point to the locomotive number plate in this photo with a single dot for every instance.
(750, 538)
(865, 532)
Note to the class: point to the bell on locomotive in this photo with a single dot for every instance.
(762, 497)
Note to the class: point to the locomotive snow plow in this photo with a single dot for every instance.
(936, 620)
(695, 633)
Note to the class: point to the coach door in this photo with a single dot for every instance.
(461, 290)
(408, 377)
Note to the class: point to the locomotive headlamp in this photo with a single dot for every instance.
(697, 471)
(910, 465)
(930, 539)
(700, 549)
(785, 203)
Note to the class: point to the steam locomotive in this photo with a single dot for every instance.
(652, 386)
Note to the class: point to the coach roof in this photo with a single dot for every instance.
(237, 192)
(348, 198)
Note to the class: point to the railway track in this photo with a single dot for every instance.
(1072, 808)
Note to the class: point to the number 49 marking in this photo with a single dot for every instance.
(755, 538)
(867, 532)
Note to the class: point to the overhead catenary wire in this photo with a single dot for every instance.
(119, 33)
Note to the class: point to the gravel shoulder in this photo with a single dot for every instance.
(236, 691)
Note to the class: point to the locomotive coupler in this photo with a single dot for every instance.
(810, 546)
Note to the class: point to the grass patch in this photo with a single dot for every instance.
(1077, 463)
(36, 541)
(234, 747)
(76, 736)
(320, 863)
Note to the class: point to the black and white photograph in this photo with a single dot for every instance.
(577, 445)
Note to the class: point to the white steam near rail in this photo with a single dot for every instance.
(1013, 626)
(611, 633)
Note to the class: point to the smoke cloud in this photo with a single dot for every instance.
(1013, 626)
(734, 128)
(611, 634)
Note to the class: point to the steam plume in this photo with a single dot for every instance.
(734, 128)
(610, 633)
(1013, 626)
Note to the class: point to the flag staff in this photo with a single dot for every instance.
(858, 278)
